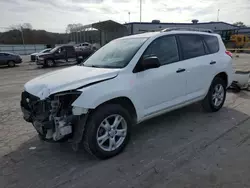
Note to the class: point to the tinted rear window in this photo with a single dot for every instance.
(192, 46)
(212, 43)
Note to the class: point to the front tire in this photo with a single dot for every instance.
(49, 63)
(216, 96)
(107, 131)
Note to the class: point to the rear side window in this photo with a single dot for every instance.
(212, 43)
(69, 48)
(192, 46)
(165, 49)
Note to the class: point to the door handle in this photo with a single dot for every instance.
(180, 70)
(212, 62)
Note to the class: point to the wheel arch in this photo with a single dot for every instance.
(223, 76)
(125, 102)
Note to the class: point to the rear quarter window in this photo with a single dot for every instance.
(212, 43)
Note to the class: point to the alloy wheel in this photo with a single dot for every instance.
(218, 95)
(111, 132)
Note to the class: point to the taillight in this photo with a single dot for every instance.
(229, 53)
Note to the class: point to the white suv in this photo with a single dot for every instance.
(129, 80)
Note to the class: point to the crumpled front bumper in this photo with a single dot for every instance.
(25, 107)
(29, 115)
(44, 125)
(26, 115)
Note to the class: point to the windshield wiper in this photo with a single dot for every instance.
(102, 66)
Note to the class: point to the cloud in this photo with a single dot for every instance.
(54, 15)
(87, 1)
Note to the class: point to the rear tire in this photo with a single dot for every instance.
(216, 96)
(101, 126)
(11, 64)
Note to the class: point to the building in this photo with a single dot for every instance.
(244, 30)
(109, 30)
(222, 28)
(156, 25)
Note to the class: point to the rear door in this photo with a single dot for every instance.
(199, 69)
(213, 56)
(70, 53)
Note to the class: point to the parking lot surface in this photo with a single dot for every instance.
(184, 148)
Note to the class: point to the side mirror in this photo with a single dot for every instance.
(150, 63)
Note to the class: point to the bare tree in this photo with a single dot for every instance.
(74, 31)
(27, 26)
(21, 26)
(69, 28)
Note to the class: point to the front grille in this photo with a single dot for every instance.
(33, 58)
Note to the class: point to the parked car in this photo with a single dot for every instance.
(83, 46)
(87, 46)
(62, 54)
(33, 56)
(9, 59)
(128, 81)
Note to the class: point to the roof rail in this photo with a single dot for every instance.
(187, 29)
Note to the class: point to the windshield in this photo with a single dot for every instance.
(54, 49)
(45, 50)
(115, 54)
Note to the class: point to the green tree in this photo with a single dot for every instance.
(240, 24)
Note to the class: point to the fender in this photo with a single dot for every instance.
(97, 94)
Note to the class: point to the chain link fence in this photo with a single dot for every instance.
(22, 49)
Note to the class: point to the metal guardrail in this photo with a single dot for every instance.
(22, 49)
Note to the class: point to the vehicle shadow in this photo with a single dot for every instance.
(39, 164)
(7, 67)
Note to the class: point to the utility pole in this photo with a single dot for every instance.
(129, 17)
(218, 14)
(21, 29)
(140, 9)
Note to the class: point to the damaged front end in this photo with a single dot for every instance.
(53, 117)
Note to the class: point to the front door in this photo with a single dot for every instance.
(163, 87)
(60, 54)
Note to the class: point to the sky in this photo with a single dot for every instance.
(55, 15)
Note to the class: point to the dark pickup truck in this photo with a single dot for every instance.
(62, 54)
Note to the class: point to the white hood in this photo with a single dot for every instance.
(67, 79)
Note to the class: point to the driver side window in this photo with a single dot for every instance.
(165, 49)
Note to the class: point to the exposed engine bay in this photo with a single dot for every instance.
(52, 117)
